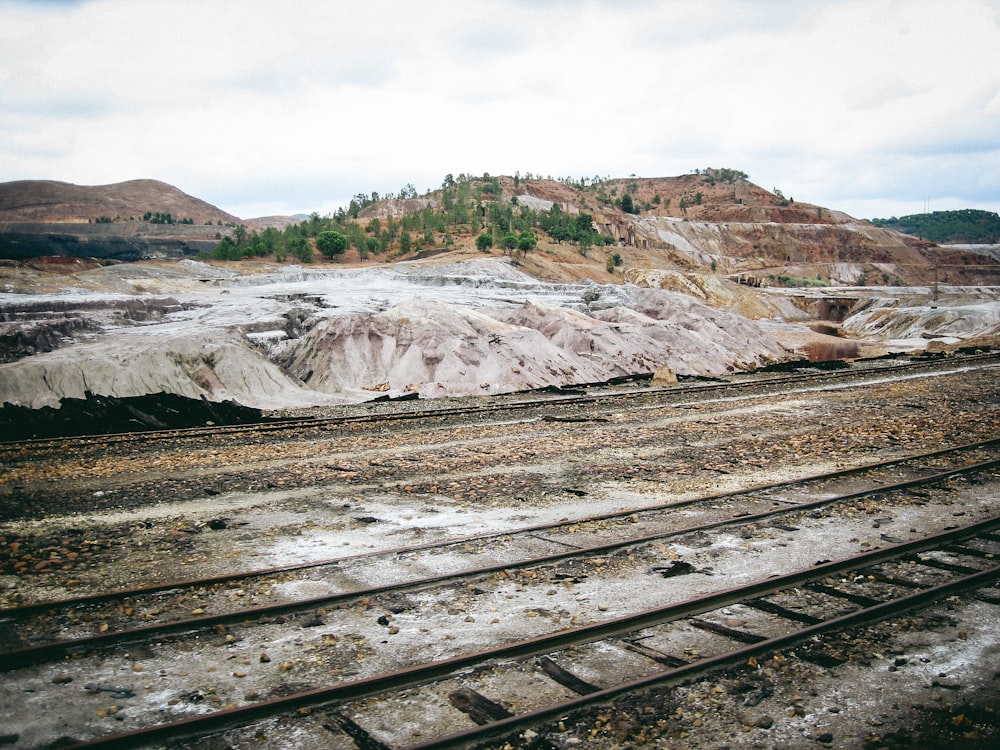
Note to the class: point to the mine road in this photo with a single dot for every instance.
(798, 559)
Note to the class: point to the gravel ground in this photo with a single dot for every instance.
(126, 514)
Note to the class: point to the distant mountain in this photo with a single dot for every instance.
(48, 201)
(968, 226)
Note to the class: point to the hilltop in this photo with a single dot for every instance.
(123, 221)
(967, 226)
(48, 201)
(709, 221)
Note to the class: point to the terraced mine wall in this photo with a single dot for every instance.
(124, 242)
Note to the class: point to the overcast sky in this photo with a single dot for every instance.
(874, 107)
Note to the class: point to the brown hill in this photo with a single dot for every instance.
(712, 220)
(47, 201)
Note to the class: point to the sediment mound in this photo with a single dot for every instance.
(214, 366)
(438, 349)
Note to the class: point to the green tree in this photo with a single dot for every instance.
(527, 241)
(509, 242)
(484, 242)
(299, 248)
(331, 242)
(227, 250)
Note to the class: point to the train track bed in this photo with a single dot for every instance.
(581, 514)
(378, 690)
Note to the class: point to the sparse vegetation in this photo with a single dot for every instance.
(160, 218)
(797, 281)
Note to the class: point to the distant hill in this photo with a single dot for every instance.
(968, 226)
(48, 201)
(124, 221)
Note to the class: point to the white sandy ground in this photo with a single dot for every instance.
(296, 337)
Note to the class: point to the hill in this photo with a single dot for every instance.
(710, 220)
(47, 201)
(965, 227)
(124, 221)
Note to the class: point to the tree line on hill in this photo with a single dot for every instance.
(472, 206)
(967, 226)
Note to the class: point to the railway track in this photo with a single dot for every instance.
(568, 398)
(475, 528)
(759, 504)
(572, 552)
(569, 670)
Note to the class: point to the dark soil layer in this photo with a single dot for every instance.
(106, 415)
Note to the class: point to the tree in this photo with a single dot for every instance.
(527, 241)
(331, 243)
(227, 250)
(509, 242)
(299, 248)
(484, 242)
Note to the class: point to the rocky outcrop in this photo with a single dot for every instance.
(913, 323)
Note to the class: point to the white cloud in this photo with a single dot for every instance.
(839, 102)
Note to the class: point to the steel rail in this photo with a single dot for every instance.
(568, 399)
(37, 607)
(14, 659)
(676, 675)
(424, 673)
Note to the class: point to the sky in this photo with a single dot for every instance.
(874, 107)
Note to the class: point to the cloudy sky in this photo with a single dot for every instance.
(875, 107)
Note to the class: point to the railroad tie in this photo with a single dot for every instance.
(477, 706)
(361, 737)
(565, 678)
(789, 614)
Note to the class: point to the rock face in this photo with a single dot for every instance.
(916, 321)
(291, 337)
